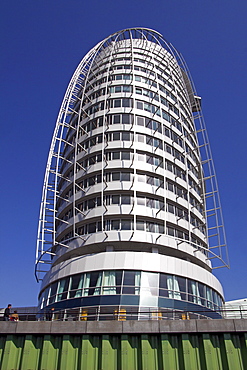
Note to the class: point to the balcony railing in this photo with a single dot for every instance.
(123, 314)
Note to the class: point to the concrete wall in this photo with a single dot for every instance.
(124, 327)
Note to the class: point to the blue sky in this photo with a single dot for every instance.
(41, 44)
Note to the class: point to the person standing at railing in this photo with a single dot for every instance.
(7, 313)
(49, 314)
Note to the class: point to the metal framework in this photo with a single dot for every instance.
(46, 241)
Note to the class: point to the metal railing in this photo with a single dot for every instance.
(124, 314)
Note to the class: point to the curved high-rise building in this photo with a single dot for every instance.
(130, 220)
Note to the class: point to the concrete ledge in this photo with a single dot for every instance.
(212, 326)
(7, 327)
(104, 327)
(240, 325)
(140, 327)
(33, 327)
(124, 327)
(65, 327)
(178, 326)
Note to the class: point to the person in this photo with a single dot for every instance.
(7, 313)
(14, 316)
(49, 314)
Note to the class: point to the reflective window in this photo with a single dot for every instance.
(52, 293)
(113, 282)
(76, 286)
(149, 283)
(63, 289)
(131, 283)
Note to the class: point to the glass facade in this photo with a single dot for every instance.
(140, 283)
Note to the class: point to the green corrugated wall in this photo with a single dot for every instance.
(124, 352)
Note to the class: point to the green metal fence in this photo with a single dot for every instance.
(221, 351)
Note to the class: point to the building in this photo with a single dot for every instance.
(236, 309)
(130, 222)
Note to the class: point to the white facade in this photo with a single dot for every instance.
(236, 309)
(126, 210)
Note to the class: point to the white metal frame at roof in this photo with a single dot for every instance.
(75, 91)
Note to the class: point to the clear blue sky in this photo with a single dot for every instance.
(41, 44)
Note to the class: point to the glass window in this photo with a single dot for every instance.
(201, 288)
(126, 136)
(139, 105)
(99, 226)
(161, 229)
(127, 88)
(170, 231)
(149, 283)
(63, 289)
(181, 283)
(91, 203)
(126, 119)
(76, 285)
(109, 282)
(117, 103)
(116, 136)
(91, 181)
(140, 138)
(92, 283)
(147, 107)
(116, 155)
(170, 208)
(52, 293)
(127, 103)
(125, 176)
(215, 298)
(115, 176)
(140, 121)
(91, 160)
(115, 224)
(150, 203)
(45, 297)
(193, 291)
(125, 199)
(131, 282)
(163, 281)
(126, 225)
(126, 155)
(209, 297)
(92, 228)
(116, 118)
(140, 225)
(115, 199)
